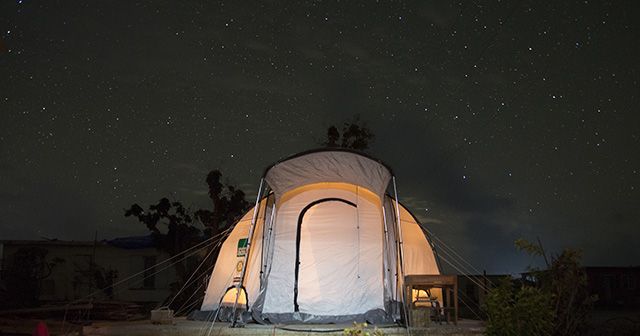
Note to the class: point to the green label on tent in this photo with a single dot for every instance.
(242, 247)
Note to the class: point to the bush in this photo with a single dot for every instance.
(512, 310)
(357, 330)
(553, 301)
(23, 275)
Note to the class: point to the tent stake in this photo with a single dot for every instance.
(246, 256)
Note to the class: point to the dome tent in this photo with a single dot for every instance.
(324, 246)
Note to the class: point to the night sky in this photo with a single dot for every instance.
(501, 119)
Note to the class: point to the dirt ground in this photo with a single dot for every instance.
(619, 322)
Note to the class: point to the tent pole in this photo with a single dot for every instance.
(401, 252)
(246, 255)
(389, 255)
(266, 242)
(386, 255)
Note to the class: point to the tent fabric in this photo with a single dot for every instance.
(328, 166)
(325, 246)
(418, 255)
(228, 265)
(354, 255)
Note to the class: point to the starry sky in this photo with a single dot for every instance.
(501, 119)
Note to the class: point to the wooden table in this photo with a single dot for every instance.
(448, 283)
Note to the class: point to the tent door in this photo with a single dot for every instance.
(327, 256)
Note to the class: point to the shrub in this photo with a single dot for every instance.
(357, 330)
(512, 310)
(553, 301)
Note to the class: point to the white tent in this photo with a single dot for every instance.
(324, 246)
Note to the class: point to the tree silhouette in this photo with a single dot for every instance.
(355, 135)
(180, 233)
(229, 204)
(23, 275)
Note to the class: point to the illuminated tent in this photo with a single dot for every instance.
(324, 246)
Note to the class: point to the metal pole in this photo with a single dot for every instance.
(401, 252)
(246, 255)
(267, 242)
(388, 255)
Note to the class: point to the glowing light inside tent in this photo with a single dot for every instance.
(421, 298)
(230, 297)
(360, 191)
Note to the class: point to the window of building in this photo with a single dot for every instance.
(471, 290)
(628, 282)
(145, 272)
(82, 263)
(48, 287)
(149, 272)
(611, 281)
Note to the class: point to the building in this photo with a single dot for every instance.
(129, 268)
(615, 286)
(471, 291)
